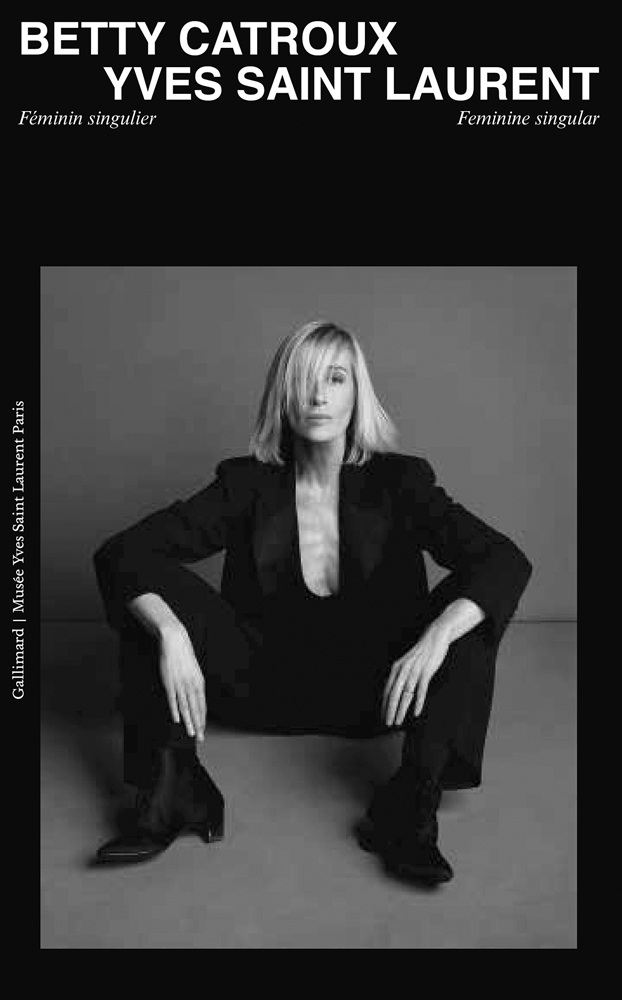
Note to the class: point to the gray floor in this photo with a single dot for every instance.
(289, 874)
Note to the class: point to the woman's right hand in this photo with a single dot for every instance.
(183, 681)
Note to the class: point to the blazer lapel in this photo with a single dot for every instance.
(364, 524)
(274, 529)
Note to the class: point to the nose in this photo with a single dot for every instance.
(317, 395)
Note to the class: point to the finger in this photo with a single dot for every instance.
(203, 711)
(192, 706)
(395, 669)
(201, 707)
(172, 701)
(197, 705)
(185, 710)
(421, 695)
(394, 699)
(388, 688)
(408, 692)
(386, 694)
(194, 701)
(386, 702)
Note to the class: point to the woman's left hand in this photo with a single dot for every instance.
(412, 673)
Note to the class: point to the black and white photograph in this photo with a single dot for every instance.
(308, 606)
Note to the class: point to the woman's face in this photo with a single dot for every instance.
(332, 400)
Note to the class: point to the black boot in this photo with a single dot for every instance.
(402, 827)
(182, 797)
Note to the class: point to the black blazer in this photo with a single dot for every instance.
(390, 510)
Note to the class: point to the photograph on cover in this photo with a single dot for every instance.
(308, 592)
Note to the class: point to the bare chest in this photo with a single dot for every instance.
(318, 535)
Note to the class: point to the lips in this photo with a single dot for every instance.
(318, 419)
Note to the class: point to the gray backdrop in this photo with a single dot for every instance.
(151, 375)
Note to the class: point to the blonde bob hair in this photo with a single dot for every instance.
(291, 375)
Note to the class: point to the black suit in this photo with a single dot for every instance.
(391, 509)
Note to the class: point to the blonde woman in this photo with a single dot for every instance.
(324, 622)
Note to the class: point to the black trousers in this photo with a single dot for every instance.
(250, 686)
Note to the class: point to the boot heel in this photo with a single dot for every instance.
(211, 831)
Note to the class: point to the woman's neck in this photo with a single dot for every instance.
(318, 465)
